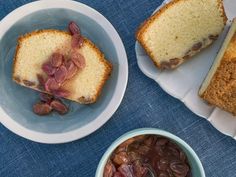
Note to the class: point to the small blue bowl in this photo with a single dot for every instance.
(16, 101)
(194, 161)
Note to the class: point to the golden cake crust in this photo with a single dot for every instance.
(221, 90)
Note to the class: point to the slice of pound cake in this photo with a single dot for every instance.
(219, 87)
(31, 61)
(181, 29)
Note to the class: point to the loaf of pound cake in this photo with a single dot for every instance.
(181, 29)
(34, 49)
(219, 87)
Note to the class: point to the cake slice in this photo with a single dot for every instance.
(181, 29)
(219, 87)
(34, 49)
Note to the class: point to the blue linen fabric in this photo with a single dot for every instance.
(145, 105)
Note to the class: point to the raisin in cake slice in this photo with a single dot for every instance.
(219, 87)
(181, 29)
(34, 49)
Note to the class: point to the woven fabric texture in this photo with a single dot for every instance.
(145, 105)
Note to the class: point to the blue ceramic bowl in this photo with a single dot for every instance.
(16, 101)
(195, 163)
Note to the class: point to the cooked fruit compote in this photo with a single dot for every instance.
(147, 156)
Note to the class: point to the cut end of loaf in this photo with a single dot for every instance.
(35, 48)
(219, 87)
(181, 29)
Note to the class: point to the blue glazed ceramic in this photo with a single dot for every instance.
(16, 101)
(195, 163)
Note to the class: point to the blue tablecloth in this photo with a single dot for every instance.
(145, 105)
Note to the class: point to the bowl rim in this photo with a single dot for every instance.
(120, 88)
(143, 131)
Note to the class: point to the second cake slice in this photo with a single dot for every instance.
(181, 29)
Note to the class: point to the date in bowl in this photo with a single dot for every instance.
(149, 152)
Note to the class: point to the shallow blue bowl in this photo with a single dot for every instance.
(195, 163)
(16, 101)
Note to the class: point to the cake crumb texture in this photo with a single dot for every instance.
(35, 48)
(181, 29)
